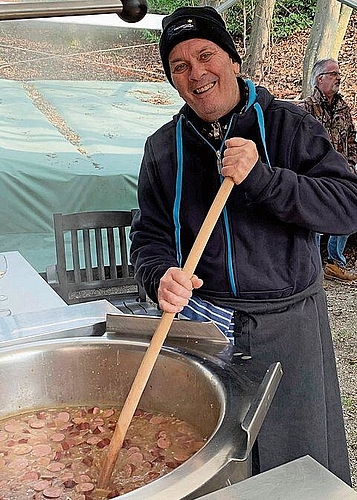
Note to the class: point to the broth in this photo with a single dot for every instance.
(57, 453)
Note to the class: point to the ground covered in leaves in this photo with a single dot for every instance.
(79, 53)
(342, 306)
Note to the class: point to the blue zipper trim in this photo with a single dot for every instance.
(178, 191)
(261, 123)
(228, 231)
(252, 95)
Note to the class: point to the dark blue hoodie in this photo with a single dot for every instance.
(263, 246)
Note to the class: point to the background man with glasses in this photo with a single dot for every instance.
(328, 106)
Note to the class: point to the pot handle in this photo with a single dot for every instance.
(260, 405)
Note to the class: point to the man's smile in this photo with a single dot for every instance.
(203, 89)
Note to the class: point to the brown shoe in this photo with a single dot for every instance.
(335, 272)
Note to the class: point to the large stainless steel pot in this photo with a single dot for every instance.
(225, 397)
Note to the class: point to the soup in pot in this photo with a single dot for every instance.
(57, 453)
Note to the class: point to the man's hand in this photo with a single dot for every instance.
(239, 158)
(175, 289)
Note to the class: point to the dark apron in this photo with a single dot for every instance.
(305, 417)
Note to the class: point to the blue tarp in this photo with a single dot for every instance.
(79, 148)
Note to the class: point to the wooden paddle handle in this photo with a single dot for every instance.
(159, 337)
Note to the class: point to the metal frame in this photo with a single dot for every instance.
(128, 10)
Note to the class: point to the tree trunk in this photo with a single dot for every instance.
(259, 41)
(345, 15)
(325, 37)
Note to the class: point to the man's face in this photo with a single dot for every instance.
(329, 81)
(205, 77)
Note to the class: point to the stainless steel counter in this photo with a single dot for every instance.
(78, 320)
(302, 479)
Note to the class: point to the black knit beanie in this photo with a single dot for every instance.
(186, 23)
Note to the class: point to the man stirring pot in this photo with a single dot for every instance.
(260, 276)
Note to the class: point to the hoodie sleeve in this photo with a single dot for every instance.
(309, 184)
(152, 231)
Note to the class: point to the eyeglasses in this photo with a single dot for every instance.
(332, 73)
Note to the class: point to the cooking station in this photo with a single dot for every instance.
(53, 355)
(47, 347)
(225, 397)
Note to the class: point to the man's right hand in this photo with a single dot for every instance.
(175, 289)
(239, 158)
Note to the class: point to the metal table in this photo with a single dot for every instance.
(39, 313)
(26, 290)
(302, 479)
(85, 319)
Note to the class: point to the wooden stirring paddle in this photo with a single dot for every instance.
(159, 337)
